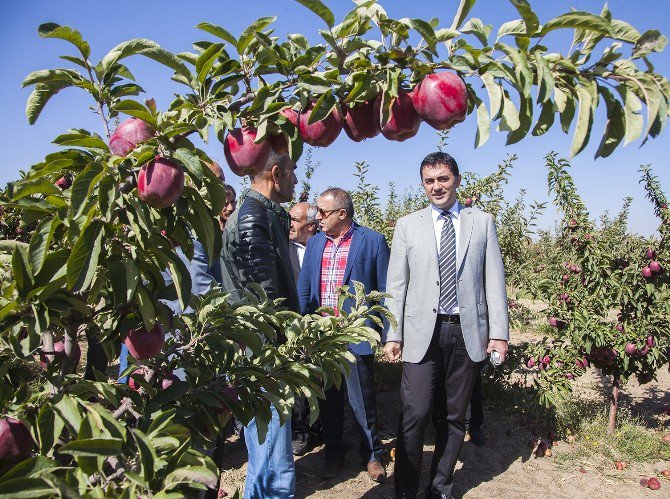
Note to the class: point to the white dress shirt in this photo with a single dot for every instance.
(438, 223)
(300, 249)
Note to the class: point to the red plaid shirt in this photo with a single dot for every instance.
(333, 263)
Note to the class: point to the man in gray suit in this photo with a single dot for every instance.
(447, 287)
(303, 226)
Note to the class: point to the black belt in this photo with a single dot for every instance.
(452, 319)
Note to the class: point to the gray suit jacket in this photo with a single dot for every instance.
(295, 261)
(413, 281)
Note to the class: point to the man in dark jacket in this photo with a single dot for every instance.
(255, 250)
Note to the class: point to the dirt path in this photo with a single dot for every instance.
(503, 468)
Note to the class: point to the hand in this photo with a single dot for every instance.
(499, 346)
(392, 349)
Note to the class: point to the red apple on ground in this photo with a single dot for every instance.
(321, 133)
(16, 442)
(128, 134)
(160, 182)
(620, 465)
(666, 473)
(403, 123)
(143, 344)
(653, 483)
(441, 99)
(359, 121)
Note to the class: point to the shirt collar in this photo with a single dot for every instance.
(345, 236)
(299, 245)
(455, 211)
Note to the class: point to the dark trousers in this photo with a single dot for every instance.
(302, 430)
(443, 382)
(362, 399)
(474, 417)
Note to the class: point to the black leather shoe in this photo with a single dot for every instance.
(331, 469)
(300, 447)
(476, 436)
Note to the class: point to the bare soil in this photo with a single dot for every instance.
(504, 467)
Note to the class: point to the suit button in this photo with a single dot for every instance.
(438, 283)
(434, 310)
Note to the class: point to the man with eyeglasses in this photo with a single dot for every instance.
(447, 287)
(342, 253)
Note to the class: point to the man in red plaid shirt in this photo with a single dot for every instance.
(342, 253)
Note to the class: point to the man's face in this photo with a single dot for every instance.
(332, 219)
(440, 185)
(231, 204)
(301, 230)
(286, 180)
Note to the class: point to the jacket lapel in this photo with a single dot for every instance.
(427, 231)
(315, 264)
(464, 235)
(356, 243)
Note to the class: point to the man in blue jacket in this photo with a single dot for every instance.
(341, 253)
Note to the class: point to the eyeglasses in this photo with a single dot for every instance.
(326, 213)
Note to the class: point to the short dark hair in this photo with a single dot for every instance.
(342, 199)
(228, 186)
(439, 158)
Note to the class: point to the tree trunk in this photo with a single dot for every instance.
(614, 405)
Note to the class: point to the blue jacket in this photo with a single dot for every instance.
(367, 263)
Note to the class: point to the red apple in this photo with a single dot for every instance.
(160, 182)
(651, 254)
(653, 483)
(230, 392)
(16, 442)
(143, 344)
(167, 381)
(321, 133)
(647, 273)
(655, 267)
(59, 348)
(530, 363)
(666, 438)
(630, 348)
(468, 202)
(244, 156)
(403, 123)
(128, 134)
(644, 350)
(651, 342)
(135, 377)
(620, 465)
(359, 121)
(65, 182)
(619, 327)
(441, 99)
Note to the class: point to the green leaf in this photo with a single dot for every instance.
(206, 60)
(545, 120)
(483, 124)
(23, 277)
(27, 188)
(621, 30)
(147, 48)
(29, 468)
(83, 260)
(40, 242)
(40, 96)
(53, 30)
(588, 100)
(108, 192)
(565, 105)
(516, 27)
(20, 488)
(249, 33)
(633, 117)
(425, 30)
(52, 75)
(578, 20)
(320, 9)
(124, 277)
(510, 120)
(83, 186)
(68, 411)
(217, 31)
(191, 163)
(529, 17)
(81, 138)
(545, 78)
(524, 76)
(525, 120)
(180, 275)
(137, 110)
(146, 306)
(322, 108)
(463, 10)
(650, 41)
(495, 92)
(615, 129)
(93, 447)
(189, 474)
(147, 454)
(476, 27)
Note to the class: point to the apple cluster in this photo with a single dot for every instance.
(440, 99)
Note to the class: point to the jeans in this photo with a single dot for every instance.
(123, 363)
(270, 469)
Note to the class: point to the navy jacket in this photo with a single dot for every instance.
(367, 263)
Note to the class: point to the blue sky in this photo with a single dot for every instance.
(603, 183)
